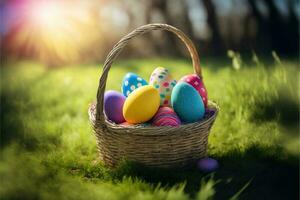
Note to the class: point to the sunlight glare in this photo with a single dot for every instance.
(56, 31)
(46, 13)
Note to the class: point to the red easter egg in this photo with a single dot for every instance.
(165, 116)
(197, 83)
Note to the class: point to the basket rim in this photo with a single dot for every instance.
(151, 130)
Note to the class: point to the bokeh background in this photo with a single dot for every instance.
(60, 32)
(52, 53)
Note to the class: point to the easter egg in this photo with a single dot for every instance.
(113, 106)
(163, 82)
(166, 116)
(141, 105)
(125, 124)
(187, 102)
(207, 164)
(209, 112)
(131, 82)
(197, 83)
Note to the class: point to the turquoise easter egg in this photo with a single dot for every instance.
(195, 81)
(187, 102)
(131, 82)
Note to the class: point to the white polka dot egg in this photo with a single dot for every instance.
(131, 82)
(163, 82)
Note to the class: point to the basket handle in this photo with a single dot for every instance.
(123, 42)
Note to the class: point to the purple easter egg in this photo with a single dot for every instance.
(209, 112)
(207, 164)
(113, 106)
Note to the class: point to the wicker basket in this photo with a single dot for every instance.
(152, 146)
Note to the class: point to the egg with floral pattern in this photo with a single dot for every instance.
(131, 82)
(195, 81)
(163, 82)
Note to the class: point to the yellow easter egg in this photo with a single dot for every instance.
(141, 105)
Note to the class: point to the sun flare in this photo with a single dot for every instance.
(54, 31)
(46, 13)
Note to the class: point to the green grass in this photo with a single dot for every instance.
(48, 150)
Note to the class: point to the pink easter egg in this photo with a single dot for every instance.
(197, 83)
(165, 116)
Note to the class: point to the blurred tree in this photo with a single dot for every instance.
(166, 41)
(274, 32)
(276, 25)
(179, 17)
(185, 20)
(293, 28)
(212, 22)
(87, 31)
(262, 38)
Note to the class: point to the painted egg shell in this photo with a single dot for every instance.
(125, 124)
(113, 106)
(131, 82)
(209, 112)
(165, 116)
(163, 82)
(187, 102)
(197, 83)
(141, 105)
(207, 164)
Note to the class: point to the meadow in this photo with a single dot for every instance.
(48, 150)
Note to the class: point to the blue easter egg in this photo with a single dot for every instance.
(131, 82)
(187, 103)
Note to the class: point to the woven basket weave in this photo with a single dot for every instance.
(152, 146)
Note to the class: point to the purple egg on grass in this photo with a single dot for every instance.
(207, 164)
(113, 106)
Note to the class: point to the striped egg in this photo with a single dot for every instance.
(165, 116)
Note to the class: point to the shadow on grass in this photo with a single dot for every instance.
(270, 177)
(15, 107)
(283, 109)
(12, 125)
